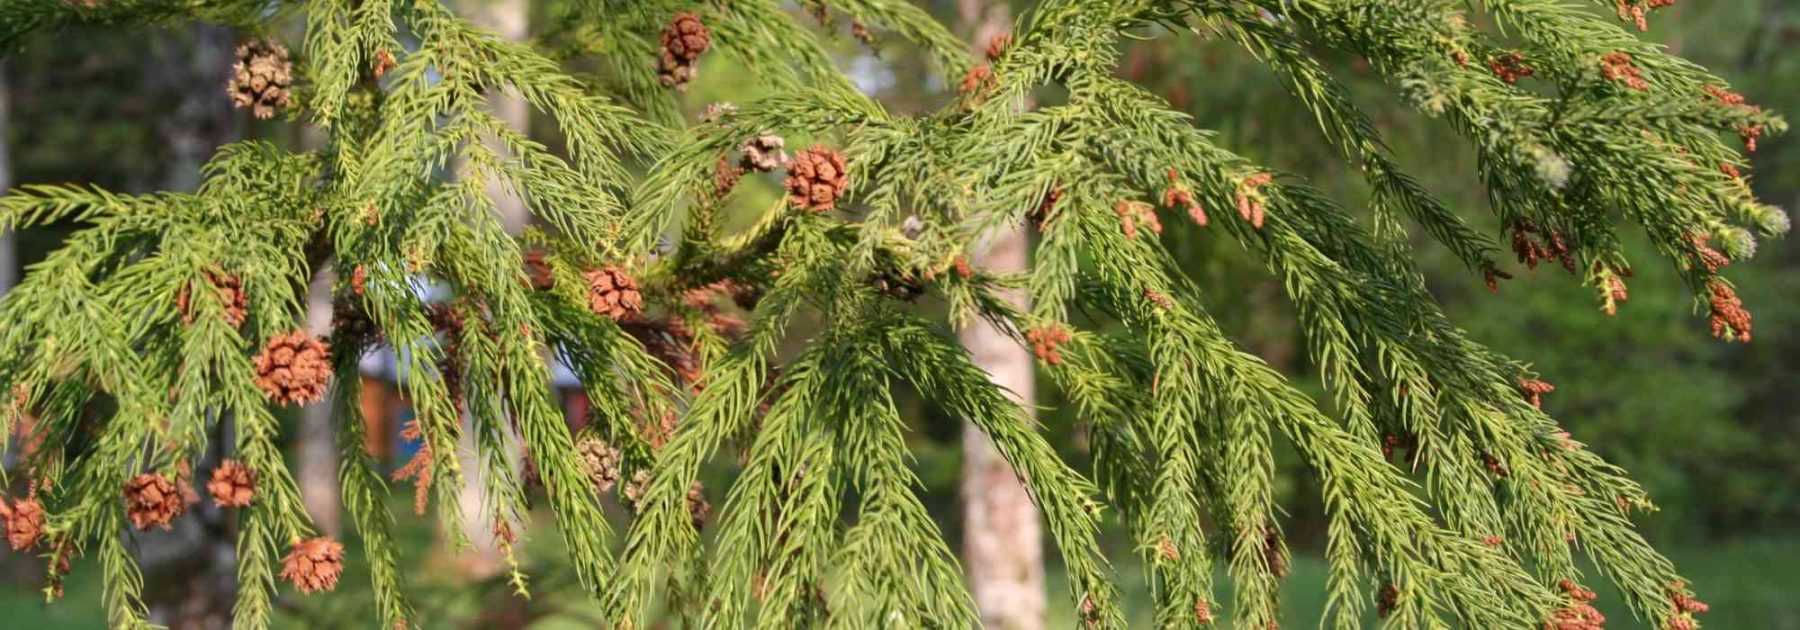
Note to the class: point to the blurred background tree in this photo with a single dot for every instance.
(1711, 445)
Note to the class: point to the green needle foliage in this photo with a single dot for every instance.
(1452, 500)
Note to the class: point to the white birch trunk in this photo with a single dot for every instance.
(1002, 538)
(510, 20)
(316, 451)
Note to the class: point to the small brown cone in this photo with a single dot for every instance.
(764, 153)
(1203, 613)
(538, 271)
(683, 41)
(1386, 600)
(24, 521)
(230, 290)
(612, 293)
(634, 491)
(232, 485)
(817, 178)
(152, 500)
(294, 368)
(698, 507)
(314, 564)
(261, 78)
(601, 462)
(184, 484)
(350, 323)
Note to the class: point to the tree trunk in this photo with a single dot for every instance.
(9, 273)
(193, 68)
(8, 248)
(317, 449)
(316, 444)
(193, 569)
(1002, 539)
(510, 20)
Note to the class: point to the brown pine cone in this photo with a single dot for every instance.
(184, 484)
(698, 507)
(683, 42)
(634, 491)
(612, 293)
(230, 290)
(24, 521)
(232, 484)
(294, 368)
(670, 341)
(314, 564)
(446, 320)
(601, 462)
(764, 153)
(725, 177)
(359, 280)
(151, 499)
(1387, 600)
(817, 178)
(1273, 554)
(537, 268)
(1041, 213)
(262, 77)
(896, 285)
(350, 323)
(718, 111)
(1510, 67)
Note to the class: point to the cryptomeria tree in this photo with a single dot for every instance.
(1451, 499)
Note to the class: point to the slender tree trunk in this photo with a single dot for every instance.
(510, 20)
(8, 246)
(316, 449)
(8, 254)
(193, 571)
(1002, 538)
(316, 444)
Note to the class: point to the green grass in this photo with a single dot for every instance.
(1749, 583)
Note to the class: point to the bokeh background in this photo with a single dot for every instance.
(1710, 429)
